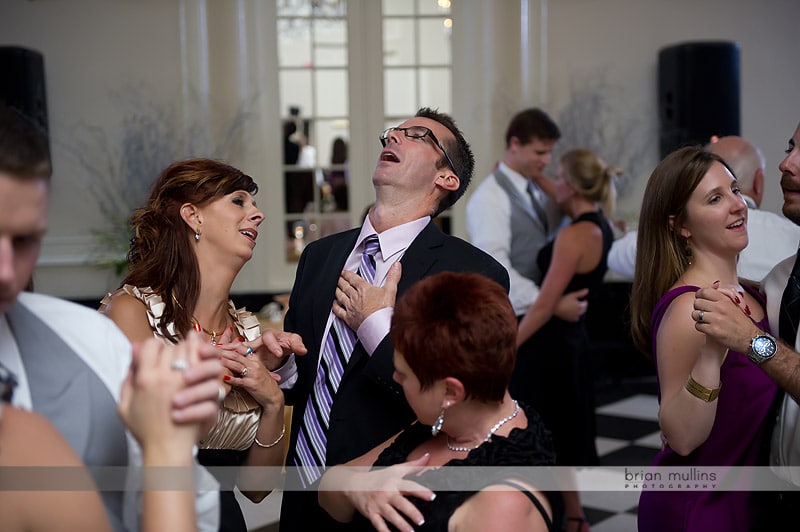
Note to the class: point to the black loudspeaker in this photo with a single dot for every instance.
(22, 83)
(698, 93)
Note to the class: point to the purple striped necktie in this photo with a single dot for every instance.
(336, 350)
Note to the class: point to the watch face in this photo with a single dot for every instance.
(764, 346)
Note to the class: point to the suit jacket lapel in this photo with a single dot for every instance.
(420, 256)
(330, 268)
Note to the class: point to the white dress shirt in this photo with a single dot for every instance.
(106, 350)
(622, 255)
(393, 243)
(785, 449)
(489, 228)
(375, 327)
(771, 238)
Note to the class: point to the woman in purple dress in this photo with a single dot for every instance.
(692, 226)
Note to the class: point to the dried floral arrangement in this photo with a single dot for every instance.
(596, 120)
(120, 167)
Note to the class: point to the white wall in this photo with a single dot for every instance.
(198, 61)
(90, 49)
(620, 39)
(93, 47)
(88, 52)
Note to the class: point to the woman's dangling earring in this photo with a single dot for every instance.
(437, 427)
(687, 250)
(197, 235)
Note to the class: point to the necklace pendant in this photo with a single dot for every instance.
(212, 333)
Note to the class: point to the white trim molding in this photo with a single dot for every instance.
(60, 251)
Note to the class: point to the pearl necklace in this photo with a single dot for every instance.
(489, 435)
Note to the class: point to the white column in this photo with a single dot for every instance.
(365, 49)
(195, 80)
(499, 68)
(533, 50)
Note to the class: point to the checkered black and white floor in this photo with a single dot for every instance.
(627, 434)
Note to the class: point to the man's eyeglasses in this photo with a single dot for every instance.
(418, 132)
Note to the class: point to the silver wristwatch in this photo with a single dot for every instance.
(762, 347)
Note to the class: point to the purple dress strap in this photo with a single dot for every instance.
(661, 308)
(667, 299)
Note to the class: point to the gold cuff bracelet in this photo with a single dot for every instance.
(700, 391)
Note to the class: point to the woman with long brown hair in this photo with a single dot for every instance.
(193, 236)
(692, 226)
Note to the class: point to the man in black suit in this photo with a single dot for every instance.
(425, 166)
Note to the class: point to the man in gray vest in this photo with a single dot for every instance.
(511, 214)
(69, 361)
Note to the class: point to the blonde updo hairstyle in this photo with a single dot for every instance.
(591, 177)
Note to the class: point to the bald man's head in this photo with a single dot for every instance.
(746, 161)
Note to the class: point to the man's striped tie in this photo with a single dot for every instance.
(336, 350)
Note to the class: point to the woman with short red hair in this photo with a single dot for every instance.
(455, 346)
